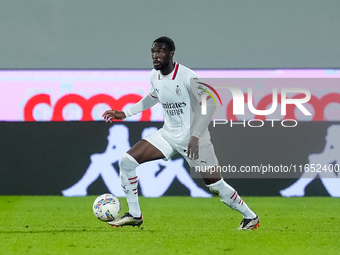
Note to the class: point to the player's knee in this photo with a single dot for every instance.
(127, 162)
(123, 161)
(214, 191)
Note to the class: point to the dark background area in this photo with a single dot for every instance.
(43, 158)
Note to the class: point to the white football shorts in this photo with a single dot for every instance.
(169, 147)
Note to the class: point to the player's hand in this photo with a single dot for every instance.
(193, 146)
(110, 115)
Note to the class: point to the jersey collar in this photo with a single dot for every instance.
(174, 72)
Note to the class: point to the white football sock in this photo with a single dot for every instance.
(230, 197)
(129, 181)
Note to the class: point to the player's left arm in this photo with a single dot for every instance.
(203, 123)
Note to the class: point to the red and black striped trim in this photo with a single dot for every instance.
(235, 193)
(175, 72)
(152, 96)
(133, 180)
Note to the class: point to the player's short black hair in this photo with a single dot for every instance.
(167, 41)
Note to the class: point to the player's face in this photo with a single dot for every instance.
(161, 56)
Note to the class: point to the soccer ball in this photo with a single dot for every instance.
(106, 207)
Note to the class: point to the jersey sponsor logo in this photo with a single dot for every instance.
(168, 105)
(174, 112)
(174, 109)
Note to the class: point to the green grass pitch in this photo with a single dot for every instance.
(172, 225)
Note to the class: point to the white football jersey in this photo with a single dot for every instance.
(173, 91)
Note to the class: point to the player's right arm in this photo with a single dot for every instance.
(145, 103)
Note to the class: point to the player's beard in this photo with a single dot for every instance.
(161, 66)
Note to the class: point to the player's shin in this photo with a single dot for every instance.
(129, 181)
(230, 197)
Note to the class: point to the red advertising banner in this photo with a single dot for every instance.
(83, 95)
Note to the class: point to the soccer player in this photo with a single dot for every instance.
(184, 131)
